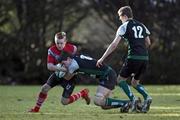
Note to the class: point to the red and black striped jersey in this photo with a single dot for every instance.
(53, 52)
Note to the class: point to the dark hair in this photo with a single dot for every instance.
(64, 55)
(126, 10)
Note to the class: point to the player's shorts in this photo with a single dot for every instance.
(109, 81)
(68, 85)
(137, 67)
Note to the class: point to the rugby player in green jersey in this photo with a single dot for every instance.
(137, 37)
(106, 76)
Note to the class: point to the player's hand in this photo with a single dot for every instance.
(99, 63)
(61, 67)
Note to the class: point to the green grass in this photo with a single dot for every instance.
(16, 100)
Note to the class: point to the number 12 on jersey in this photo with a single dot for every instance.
(138, 31)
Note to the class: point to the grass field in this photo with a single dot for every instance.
(16, 100)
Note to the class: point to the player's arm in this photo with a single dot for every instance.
(51, 62)
(53, 67)
(109, 50)
(72, 68)
(147, 42)
(147, 39)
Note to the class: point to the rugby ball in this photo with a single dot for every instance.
(60, 74)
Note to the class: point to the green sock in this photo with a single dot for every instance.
(141, 90)
(126, 89)
(115, 103)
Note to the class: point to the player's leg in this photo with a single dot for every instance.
(68, 97)
(140, 88)
(74, 97)
(51, 82)
(125, 87)
(123, 76)
(141, 67)
(41, 97)
(107, 84)
(127, 70)
(103, 100)
(147, 98)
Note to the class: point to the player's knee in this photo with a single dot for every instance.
(99, 100)
(45, 88)
(64, 101)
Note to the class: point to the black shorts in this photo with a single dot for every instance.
(137, 67)
(68, 85)
(109, 81)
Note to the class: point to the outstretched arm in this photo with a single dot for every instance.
(109, 50)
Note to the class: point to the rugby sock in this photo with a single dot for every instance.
(142, 91)
(41, 98)
(115, 103)
(126, 89)
(75, 96)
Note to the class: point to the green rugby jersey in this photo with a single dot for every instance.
(134, 33)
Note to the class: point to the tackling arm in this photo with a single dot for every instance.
(72, 67)
(53, 67)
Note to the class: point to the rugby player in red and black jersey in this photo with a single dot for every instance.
(54, 53)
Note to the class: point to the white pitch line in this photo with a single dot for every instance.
(115, 114)
(165, 107)
(166, 115)
(158, 114)
(165, 94)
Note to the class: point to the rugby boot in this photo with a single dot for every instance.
(134, 105)
(34, 110)
(146, 105)
(125, 108)
(139, 105)
(85, 96)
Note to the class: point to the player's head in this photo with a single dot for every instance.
(125, 13)
(65, 58)
(60, 40)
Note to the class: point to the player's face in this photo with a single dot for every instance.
(60, 43)
(121, 17)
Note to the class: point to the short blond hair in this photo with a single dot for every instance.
(59, 35)
(126, 10)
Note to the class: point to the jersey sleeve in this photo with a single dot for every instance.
(147, 31)
(50, 57)
(122, 29)
(69, 48)
(73, 66)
